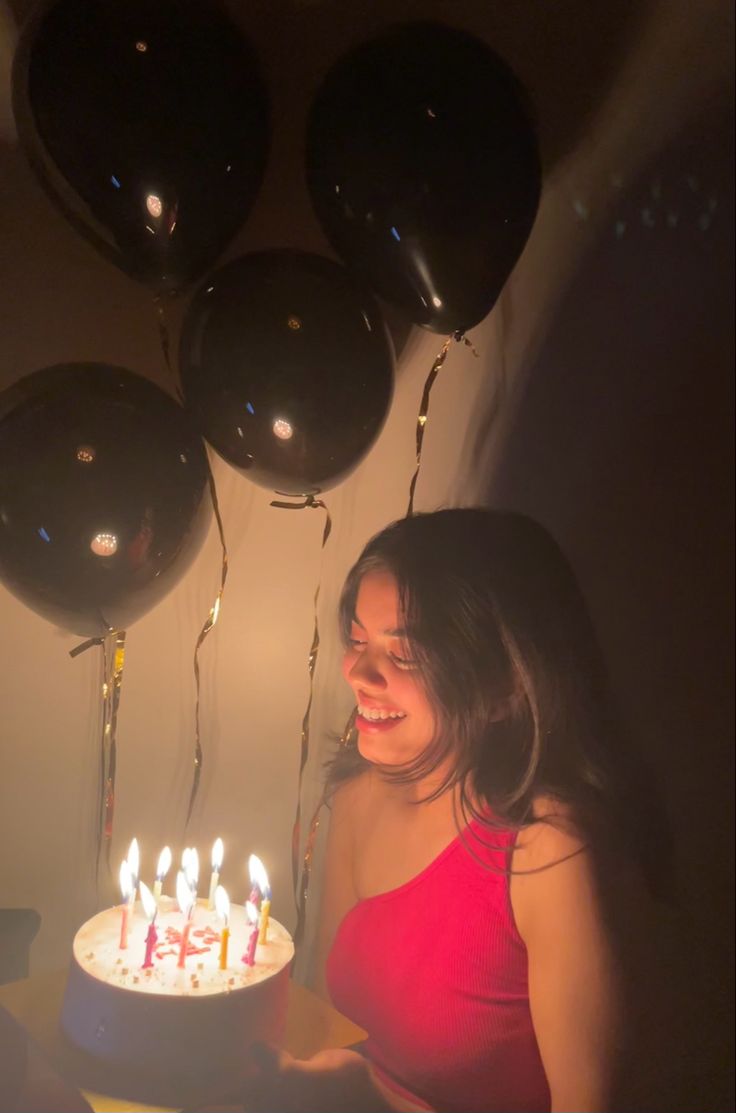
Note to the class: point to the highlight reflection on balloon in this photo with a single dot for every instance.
(423, 168)
(103, 495)
(148, 125)
(287, 367)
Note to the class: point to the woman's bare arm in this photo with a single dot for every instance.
(575, 984)
(338, 888)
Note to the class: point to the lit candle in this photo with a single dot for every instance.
(249, 958)
(186, 897)
(163, 867)
(190, 865)
(126, 888)
(217, 853)
(222, 904)
(150, 908)
(134, 862)
(259, 878)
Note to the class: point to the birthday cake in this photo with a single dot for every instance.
(179, 1005)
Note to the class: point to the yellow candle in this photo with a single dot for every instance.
(217, 855)
(223, 947)
(128, 892)
(157, 889)
(259, 877)
(265, 909)
(222, 904)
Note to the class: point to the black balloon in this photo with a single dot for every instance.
(148, 124)
(288, 368)
(103, 495)
(424, 172)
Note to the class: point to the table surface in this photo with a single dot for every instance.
(311, 1026)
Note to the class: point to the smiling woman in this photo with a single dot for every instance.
(479, 830)
(395, 720)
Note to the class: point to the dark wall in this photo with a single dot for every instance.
(622, 445)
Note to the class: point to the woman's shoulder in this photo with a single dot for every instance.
(349, 801)
(553, 836)
(554, 875)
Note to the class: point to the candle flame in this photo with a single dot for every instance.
(251, 912)
(134, 861)
(190, 865)
(258, 875)
(164, 863)
(184, 894)
(222, 904)
(126, 882)
(149, 902)
(218, 851)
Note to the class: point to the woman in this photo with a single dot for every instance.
(464, 924)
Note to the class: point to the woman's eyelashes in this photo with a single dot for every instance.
(402, 659)
(403, 662)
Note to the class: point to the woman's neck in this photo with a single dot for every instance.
(430, 798)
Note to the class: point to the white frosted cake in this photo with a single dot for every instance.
(187, 1027)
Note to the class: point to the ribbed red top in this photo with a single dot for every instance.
(436, 973)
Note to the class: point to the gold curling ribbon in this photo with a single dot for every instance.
(309, 846)
(424, 407)
(214, 613)
(113, 661)
(312, 503)
(208, 624)
(302, 889)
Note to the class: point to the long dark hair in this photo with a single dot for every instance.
(508, 655)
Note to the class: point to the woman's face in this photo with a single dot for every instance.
(395, 719)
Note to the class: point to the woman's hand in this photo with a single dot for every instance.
(333, 1081)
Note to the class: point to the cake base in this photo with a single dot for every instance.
(171, 1035)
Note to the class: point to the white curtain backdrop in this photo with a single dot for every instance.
(60, 302)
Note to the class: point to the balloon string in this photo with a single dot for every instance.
(113, 661)
(424, 408)
(214, 613)
(303, 891)
(310, 502)
(208, 624)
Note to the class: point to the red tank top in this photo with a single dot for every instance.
(436, 973)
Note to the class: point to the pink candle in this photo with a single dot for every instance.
(249, 958)
(186, 894)
(150, 908)
(151, 940)
(184, 943)
(250, 955)
(124, 926)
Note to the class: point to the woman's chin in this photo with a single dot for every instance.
(378, 751)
